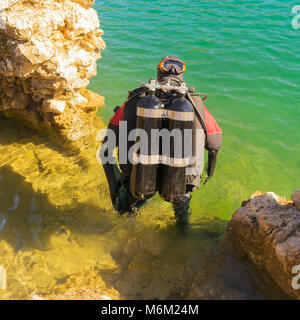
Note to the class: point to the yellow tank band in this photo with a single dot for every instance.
(163, 113)
(144, 159)
(157, 159)
(150, 113)
(180, 116)
(175, 162)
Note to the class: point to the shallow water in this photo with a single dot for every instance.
(58, 231)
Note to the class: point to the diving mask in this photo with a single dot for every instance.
(172, 66)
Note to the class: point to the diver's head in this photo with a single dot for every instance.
(170, 68)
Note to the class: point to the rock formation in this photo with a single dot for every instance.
(267, 228)
(48, 53)
(296, 198)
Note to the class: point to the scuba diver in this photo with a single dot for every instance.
(165, 103)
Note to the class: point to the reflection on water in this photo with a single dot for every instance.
(59, 233)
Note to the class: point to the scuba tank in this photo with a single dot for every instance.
(158, 169)
(180, 116)
(143, 179)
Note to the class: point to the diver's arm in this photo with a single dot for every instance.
(214, 141)
(108, 161)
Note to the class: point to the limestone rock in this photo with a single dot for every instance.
(48, 54)
(54, 106)
(296, 198)
(267, 228)
(20, 101)
(85, 3)
(78, 100)
(7, 3)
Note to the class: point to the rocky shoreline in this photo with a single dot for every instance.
(267, 229)
(48, 53)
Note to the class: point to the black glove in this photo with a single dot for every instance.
(212, 162)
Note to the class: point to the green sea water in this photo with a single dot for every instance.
(245, 56)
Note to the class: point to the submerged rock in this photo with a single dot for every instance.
(48, 53)
(85, 285)
(2, 278)
(36, 297)
(267, 228)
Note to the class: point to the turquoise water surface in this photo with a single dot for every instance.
(245, 55)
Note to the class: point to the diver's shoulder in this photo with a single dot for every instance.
(193, 93)
(197, 95)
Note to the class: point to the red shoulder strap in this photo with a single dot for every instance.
(118, 116)
(211, 124)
